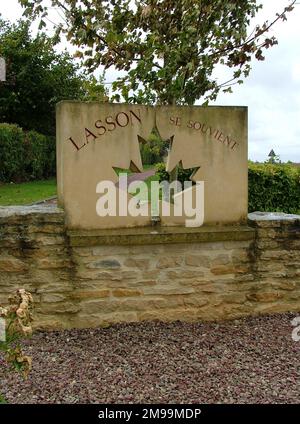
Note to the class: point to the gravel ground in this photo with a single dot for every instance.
(251, 360)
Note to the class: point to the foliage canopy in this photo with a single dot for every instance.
(167, 50)
(37, 78)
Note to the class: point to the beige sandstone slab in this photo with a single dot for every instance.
(93, 139)
(213, 139)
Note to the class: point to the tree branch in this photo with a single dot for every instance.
(248, 41)
(103, 40)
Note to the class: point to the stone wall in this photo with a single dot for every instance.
(97, 278)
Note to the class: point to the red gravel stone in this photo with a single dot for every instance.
(252, 360)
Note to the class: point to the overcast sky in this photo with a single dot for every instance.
(272, 92)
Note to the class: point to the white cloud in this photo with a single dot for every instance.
(11, 10)
(296, 72)
(272, 91)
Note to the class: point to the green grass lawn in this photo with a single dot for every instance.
(34, 191)
(26, 193)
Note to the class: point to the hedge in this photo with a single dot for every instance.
(29, 155)
(25, 156)
(272, 187)
(12, 152)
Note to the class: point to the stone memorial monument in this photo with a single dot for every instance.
(89, 269)
(94, 139)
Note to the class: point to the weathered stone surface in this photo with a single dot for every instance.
(241, 235)
(265, 296)
(197, 260)
(221, 260)
(228, 269)
(294, 244)
(143, 283)
(285, 285)
(137, 263)
(86, 274)
(271, 266)
(237, 244)
(58, 308)
(53, 298)
(276, 254)
(184, 273)
(267, 233)
(45, 323)
(98, 285)
(123, 304)
(195, 282)
(294, 295)
(233, 297)
(44, 213)
(193, 301)
(272, 218)
(54, 228)
(97, 306)
(89, 294)
(49, 241)
(12, 265)
(106, 263)
(167, 290)
(240, 256)
(126, 292)
(276, 307)
(150, 275)
(52, 263)
(169, 262)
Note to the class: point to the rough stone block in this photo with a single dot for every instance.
(137, 263)
(52, 263)
(58, 308)
(126, 292)
(184, 314)
(169, 262)
(229, 269)
(90, 294)
(221, 260)
(105, 263)
(53, 298)
(12, 265)
(184, 274)
(197, 261)
(268, 296)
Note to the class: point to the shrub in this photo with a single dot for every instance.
(50, 166)
(154, 150)
(161, 172)
(36, 155)
(272, 187)
(182, 174)
(25, 155)
(12, 152)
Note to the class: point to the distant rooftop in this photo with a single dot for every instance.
(272, 154)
